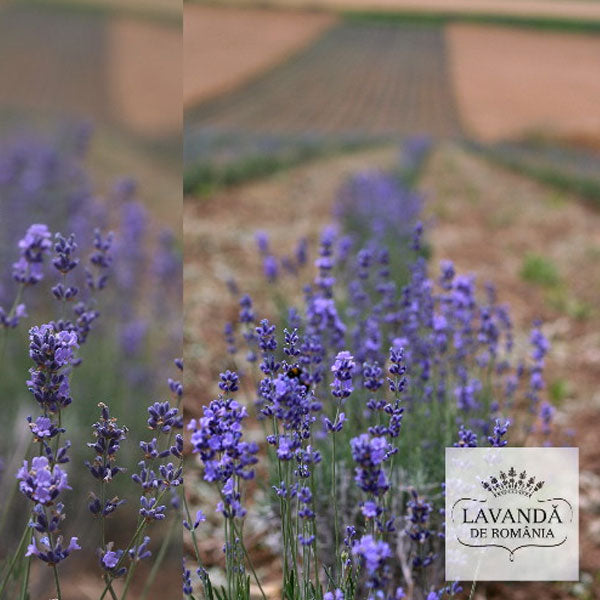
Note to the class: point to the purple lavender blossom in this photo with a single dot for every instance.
(11, 319)
(163, 417)
(28, 270)
(325, 280)
(42, 483)
(270, 268)
(466, 438)
(246, 313)
(372, 555)
(132, 336)
(262, 241)
(342, 370)
(64, 260)
(369, 454)
(52, 553)
(200, 518)
(43, 428)
(546, 415)
(110, 561)
(187, 581)
(229, 336)
(500, 430)
(302, 252)
(151, 510)
(108, 440)
(370, 509)
(419, 511)
(336, 425)
(53, 353)
(111, 558)
(101, 259)
(217, 438)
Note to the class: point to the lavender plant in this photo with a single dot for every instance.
(357, 393)
(58, 287)
(47, 180)
(52, 349)
(43, 481)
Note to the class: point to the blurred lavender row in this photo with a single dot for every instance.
(45, 179)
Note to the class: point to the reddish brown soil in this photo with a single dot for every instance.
(509, 82)
(144, 75)
(226, 47)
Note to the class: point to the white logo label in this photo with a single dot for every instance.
(512, 514)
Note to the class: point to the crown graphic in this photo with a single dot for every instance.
(512, 483)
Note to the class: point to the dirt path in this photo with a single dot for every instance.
(226, 47)
(509, 82)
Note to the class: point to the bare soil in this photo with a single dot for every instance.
(224, 47)
(511, 82)
(144, 75)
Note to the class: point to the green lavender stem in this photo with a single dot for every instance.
(159, 559)
(14, 559)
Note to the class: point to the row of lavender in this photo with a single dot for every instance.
(47, 180)
(357, 393)
(82, 296)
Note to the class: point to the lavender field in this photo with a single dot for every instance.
(372, 236)
(90, 320)
(351, 314)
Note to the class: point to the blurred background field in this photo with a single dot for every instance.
(90, 136)
(525, 92)
(508, 93)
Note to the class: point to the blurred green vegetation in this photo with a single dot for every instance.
(531, 161)
(202, 178)
(539, 270)
(396, 17)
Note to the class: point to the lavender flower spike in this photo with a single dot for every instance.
(36, 243)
